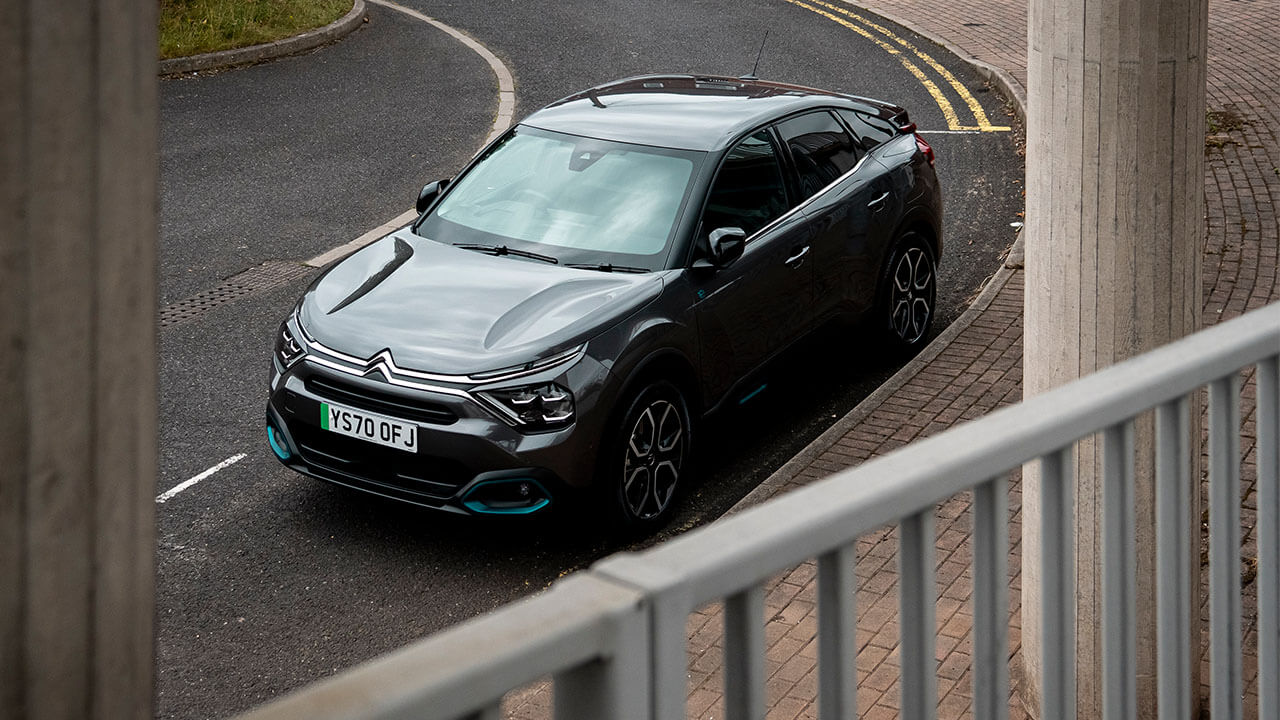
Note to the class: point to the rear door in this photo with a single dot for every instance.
(758, 305)
(850, 200)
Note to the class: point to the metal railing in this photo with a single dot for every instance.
(613, 638)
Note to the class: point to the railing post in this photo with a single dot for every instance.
(1268, 529)
(1119, 570)
(1173, 554)
(1057, 592)
(837, 631)
(669, 608)
(991, 600)
(744, 649)
(617, 687)
(1224, 547)
(917, 596)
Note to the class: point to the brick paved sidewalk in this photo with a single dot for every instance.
(981, 369)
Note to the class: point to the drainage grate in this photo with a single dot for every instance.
(256, 279)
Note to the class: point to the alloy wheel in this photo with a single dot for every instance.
(654, 457)
(911, 296)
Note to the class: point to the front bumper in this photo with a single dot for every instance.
(467, 459)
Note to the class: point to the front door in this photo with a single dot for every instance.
(758, 305)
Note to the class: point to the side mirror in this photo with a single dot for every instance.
(726, 245)
(429, 193)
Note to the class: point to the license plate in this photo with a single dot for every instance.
(369, 426)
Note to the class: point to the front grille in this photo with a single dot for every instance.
(421, 477)
(377, 402)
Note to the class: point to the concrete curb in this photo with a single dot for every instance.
(772, 485)
(309, 40)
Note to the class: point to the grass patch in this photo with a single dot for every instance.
(1218, 124)
(1222, 121)
(190, 27)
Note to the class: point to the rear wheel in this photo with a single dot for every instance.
(908, 294)
(648, 455)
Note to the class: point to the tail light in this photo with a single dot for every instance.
(925, 149)
(906, 127)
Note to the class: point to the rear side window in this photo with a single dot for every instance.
(821, 148)
(748, 193)
(871, 130)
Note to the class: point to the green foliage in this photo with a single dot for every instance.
(189, 27)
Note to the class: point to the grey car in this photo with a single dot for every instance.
(613, 269)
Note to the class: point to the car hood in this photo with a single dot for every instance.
(441, 309)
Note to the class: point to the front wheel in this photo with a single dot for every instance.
(648, 455)
(908, 294)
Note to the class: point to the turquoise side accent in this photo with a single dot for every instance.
(476, 506)
(752, 394)
(277, 446)
(483, 509)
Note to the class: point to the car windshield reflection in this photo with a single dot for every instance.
(600, 200)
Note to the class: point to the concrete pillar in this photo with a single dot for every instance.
(78, 172)
(1115, 220)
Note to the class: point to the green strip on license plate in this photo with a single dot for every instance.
(324, 416)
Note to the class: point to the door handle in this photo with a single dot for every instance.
(795, 260)
(878, 204)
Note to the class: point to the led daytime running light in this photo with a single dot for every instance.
(288, 350)
(538, 406)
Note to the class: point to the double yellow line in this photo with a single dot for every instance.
(903, 50)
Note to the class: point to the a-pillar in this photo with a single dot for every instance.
(78, 172)
(1115, 217)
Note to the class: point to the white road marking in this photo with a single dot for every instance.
(346, 249)
(168, 494)
(503, 120)
(506, 84)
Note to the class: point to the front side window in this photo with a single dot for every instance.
(748, 192)
(578, 199)
(821, 148)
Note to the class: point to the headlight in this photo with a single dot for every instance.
(288, 350)
(535, 406)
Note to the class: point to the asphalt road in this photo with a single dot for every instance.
(268, 580)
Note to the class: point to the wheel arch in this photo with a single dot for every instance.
(670, 365)
(921, 222)
(669, 369)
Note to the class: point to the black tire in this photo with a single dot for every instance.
(908, 294)
(646, 456)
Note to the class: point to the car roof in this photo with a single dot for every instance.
(688, 112)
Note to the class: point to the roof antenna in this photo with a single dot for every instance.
(752, 75)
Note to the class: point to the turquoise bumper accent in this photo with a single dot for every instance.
(482, 508)
(277, 444)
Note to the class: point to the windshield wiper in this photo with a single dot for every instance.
(606, 267)
(504, 250)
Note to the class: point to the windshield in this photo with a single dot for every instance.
(580, 200)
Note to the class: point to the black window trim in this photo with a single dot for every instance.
(831, 110)
(783, 167)
(790, 178)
